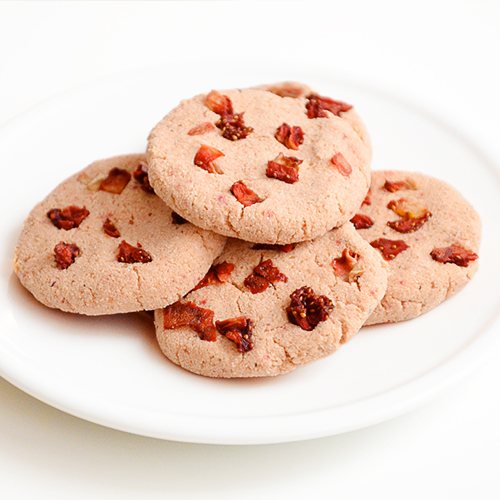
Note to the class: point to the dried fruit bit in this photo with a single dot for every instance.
(205, 158)
(130, 254)
(454, 254)
(116, 181)
(290, 137)
(281, 248)
(287, 90)
(347, 267)
(397, 185)
(362, 221)
(284, 168)
(232, 124)
(244, 194)
(389, 248)
(110, 229)
(141, 176)
(307, 310)
(219, 273)
(65, 254)
(67, 218)
(189, 314)
(239, 330)
(342, 164)
(177, 219)
(202, 128)
(413, 214)
(263, 275)
(317, 106)
(410, 225)
(368, 198)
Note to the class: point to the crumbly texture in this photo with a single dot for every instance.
(96, 283)
(321, 199)
(298, 89)
(278, 345)
(417, 282)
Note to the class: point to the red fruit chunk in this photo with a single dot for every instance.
(67, 218)
(218, 273)
(410, 225)
(130, 254)
(389, 248)
(233, 127)
(244, 194)
(281, 248)
(218, 103)
(397, 185)
(284, 168)
(202, 128)
(345, 264)
(307, 310)
(65, 254)
(362, 221)
(189, 314)
(342, 164)
(141, 176)
(239, 330)
(116, 181)
(263, 275)
(290, 137)
(110, 229)
(413, 214)
(317, 106)
(205, 158)
(454, 254)
(256, 283)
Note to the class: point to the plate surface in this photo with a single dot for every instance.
(109, 370)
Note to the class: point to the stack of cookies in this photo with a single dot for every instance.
(255, 229)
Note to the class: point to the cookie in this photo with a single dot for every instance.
(102, 242)
(259, 167)
(263, 310)
(429, 235)
(297, 89)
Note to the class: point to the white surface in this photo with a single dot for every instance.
(440, 56)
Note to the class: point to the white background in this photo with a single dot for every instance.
(440, 55)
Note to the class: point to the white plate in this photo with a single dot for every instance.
(109, 370)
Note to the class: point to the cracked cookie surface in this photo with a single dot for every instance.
(103, 243)
(266, 310)
(429, 235)
(253, 165)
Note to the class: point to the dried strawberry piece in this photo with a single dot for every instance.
(202, 128)
(413, 214)
(317, 106)
(280, 248)
(130, 254)
(177, 219)
(141, 176)
(410, 225)
(290, 137)
(110, 229)
(307, 310)
(397, 185)
(116, 181)
(368, 198)
(454, 254)
(67, 218)
(287, 90)
(239, 330)
(284, 168)
(389, 248)
(233, 127)
(205, 158)
(263, 275)
(362, 221)
(218, 103)
(65, 254)
(346, 264)
(244, 194)
(219, 273)
(342, 164)
(189, 314)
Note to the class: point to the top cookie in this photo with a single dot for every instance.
(260, 167)
(103, 243)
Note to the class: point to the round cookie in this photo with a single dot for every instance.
(263, 310)
(297, 89)
(429, 235)
(102, 242)
(269, 174)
